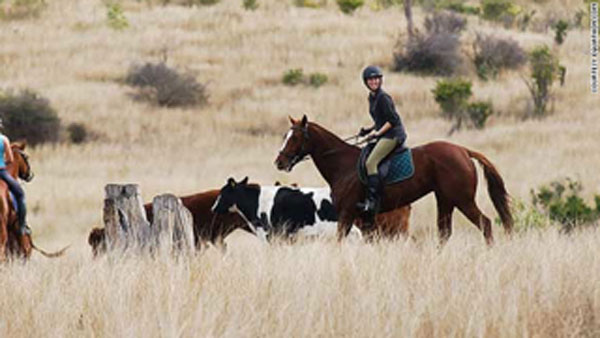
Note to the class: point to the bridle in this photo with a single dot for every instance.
(301, 155)
(30, 174)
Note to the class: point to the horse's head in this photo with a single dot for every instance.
(295, 145)
(21, 161)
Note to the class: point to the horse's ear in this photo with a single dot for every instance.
(292, 121)
(304, 121)
(20, 144)
(244, 181)
(231, 182)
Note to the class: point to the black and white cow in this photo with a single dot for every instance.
(280, 210)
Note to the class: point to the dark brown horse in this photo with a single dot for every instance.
(443, 168)
(208, 227)
(12, 243)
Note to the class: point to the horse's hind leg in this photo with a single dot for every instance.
(479, 219)
(444, 218)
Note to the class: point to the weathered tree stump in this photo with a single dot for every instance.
(172, 223)
(127, 227)
(125, 219)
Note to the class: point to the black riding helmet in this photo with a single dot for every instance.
(371, 72)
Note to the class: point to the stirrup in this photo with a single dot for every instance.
(366, 206)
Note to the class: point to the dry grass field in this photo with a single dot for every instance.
(539, 283)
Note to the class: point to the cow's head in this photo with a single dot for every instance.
(242, 198)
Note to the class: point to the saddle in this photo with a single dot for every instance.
(397, 166)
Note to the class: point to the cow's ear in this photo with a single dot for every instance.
(277, 183)
(310, 194)
(244, 181)
(231, 182)
(304, 121)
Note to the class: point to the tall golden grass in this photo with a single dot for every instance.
(539, 283)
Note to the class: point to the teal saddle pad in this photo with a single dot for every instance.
(396, 167)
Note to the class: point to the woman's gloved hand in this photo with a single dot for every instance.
(364, 131)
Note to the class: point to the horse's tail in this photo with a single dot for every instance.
(496, 189)
(50, 254)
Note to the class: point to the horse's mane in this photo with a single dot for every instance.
(329, 134)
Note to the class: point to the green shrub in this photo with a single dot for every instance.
(78, 133)
(478, 113)
(544, 68)
(166, 86)
(310, 3)
(503, 11)
(20, 9)
(560, 31)
(28, 116)
(562, 203)
(250, 4)
(349, 6)
(453, 95)
(317, 79)
(115, 16)
(202, 2)
(492, 55)
(525, 19)
(526, 217)
(494, 10)
(293, 77)
(458, 6)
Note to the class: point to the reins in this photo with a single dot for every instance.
(302, 156)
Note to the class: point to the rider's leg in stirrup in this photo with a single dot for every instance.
(374, 184)
(19, 194)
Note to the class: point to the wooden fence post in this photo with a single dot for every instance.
(124, 216)
(126, 224)
(172, 226)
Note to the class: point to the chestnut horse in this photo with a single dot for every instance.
(443, 168)
(12, 243)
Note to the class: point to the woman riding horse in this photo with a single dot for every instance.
(443, 168)
(389, 133)
(13, 185)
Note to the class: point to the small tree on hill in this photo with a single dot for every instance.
(544, 68)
